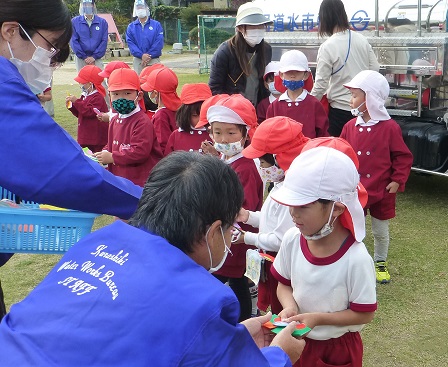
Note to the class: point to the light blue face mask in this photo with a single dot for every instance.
(293, 84)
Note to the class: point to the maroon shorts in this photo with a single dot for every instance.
(383, 209)
(345, 351)
(267, 292)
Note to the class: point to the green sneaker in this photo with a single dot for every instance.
(382, 275)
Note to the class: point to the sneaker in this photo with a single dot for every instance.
(382, 275)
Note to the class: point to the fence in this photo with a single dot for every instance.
(212, 31)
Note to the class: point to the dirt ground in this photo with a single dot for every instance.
(184, 63)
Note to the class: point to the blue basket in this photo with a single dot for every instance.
(33, 230)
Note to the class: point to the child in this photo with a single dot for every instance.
(150, 106)
(270, 73)
(233, 120)
(296, 102)
(325, 273)
(282, 137)
(384, 159)
(132, 149)
(161, 84)
(92, 133)
(187, 136)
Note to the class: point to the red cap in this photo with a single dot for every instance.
(236, 106)
(343, 146)
(278, 84)
(164, 81)
(279, 135)
(205, 106)
(111, 66)
(192, 93)
(121, 79)
(147, 70)
(90, 74)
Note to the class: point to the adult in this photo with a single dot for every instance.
(239, 63)
(49, 165)
(90, 34)
(339, 59)
(140, 294)
(144, 37)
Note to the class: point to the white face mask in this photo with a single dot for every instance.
(141, 13)
(272, 89)
(356, 111)
(37, 72)
(229, 149)
(325, 230)
(272, 174)
(254, 36)
(212, 268)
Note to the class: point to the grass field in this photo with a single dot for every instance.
(411, 325)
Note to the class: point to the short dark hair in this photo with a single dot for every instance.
(51, 15)
(185, 193)
(183, 114)
(331, 15)
(268, 157)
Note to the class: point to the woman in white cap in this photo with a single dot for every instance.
(325, 273)
(239, 63)
(343, 55)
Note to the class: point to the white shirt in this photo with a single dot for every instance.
(345, 280)
(331, 56)
(273, 220)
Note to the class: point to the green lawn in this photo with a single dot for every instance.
(410, 327)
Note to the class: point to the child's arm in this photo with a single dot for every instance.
(339, 318)
(401, 158)
(290, 308)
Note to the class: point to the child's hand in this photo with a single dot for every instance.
(288, 312)
(309, 319)
(103, 116)
(104, 157)
(392, 188)
(243, 216)
(208, 148)
(70, 98)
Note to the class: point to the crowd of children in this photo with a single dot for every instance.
(312, 221)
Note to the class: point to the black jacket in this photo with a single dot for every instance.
(225, 63)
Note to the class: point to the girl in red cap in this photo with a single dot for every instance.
(187, 136)
(161, 84)
(233, 120)
(92, 133)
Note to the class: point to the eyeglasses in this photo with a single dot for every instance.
(53, 50)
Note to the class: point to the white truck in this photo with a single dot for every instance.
(411, 43)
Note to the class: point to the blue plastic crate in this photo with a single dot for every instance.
(38, 231)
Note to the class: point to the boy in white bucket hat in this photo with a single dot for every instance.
(384, 159)
(296, 102)
(326, 275)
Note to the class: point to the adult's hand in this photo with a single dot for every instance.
(291, 346)
(146, 58)
(261, 335)
(89, 60)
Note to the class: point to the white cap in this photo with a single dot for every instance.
(223, 114)
(272, 67)
(323, 173)
(293, 60)
(250, 14)
(376, 88)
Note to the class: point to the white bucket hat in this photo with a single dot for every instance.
(249, 14)
(324, 173)
(376, 88)
(293, 60)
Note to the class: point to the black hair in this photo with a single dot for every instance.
(332, 15)
(149, 105)
(268, 157)
(324, 201)
(240, 48)
(183, 114)
(50, 15)
(185, 193)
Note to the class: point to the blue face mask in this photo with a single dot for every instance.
(293, 84)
